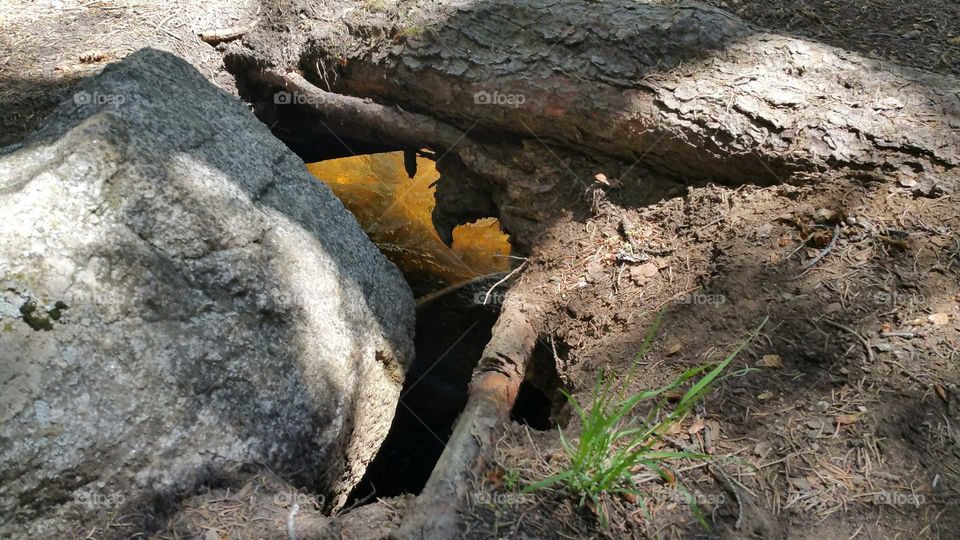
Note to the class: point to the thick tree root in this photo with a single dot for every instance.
(493, 390)
(688, 89)
(371, 122)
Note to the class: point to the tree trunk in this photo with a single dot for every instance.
(690, 90)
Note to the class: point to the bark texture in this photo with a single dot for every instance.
(689, 89)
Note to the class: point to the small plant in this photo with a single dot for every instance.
(511, 479)
(614, 440)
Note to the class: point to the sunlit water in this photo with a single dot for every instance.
(395, 212)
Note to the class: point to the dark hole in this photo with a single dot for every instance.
(452, 330)
(532, 408)
(540, 403)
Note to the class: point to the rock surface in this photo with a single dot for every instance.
(180, 300)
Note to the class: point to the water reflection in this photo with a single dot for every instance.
(395, 211)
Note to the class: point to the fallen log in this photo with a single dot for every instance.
(493, 390)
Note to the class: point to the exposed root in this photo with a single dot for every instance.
(373, 122)
(493, 390)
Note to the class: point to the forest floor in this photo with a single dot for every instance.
(840, 420)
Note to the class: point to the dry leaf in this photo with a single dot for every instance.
(629, 497)
(602, 178)
(674, 429)
(495, 477)
(846, 419)
(673, 349)
(908, 182)
(824, 215)
(772, 361)
(673, 396)
(648, 269)
(763, 396)
(762, 449)
(696, 427)
(939, 319)
(940, 391)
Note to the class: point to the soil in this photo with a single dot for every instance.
(48, 46)
(829, 440)
(839, 420)
(924, 34)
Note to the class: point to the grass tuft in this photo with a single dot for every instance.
(615, 439)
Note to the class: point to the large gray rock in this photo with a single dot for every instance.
(180, 300)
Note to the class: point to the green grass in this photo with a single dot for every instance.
(615, 438)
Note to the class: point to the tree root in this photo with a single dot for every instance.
(376, 123)
(493, 390)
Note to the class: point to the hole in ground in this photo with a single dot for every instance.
(540, 403)
(532, 407)
(452, 330)
(394, 204)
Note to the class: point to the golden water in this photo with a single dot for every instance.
(395, 212)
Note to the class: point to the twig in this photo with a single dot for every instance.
(716, 471)
(833, 242)
(863, 340)
(905, 335)
(218, 35)
(722, 478)
(515, 270)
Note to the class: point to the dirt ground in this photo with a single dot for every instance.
(47, 46)
(841, 420)
(923, 34)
